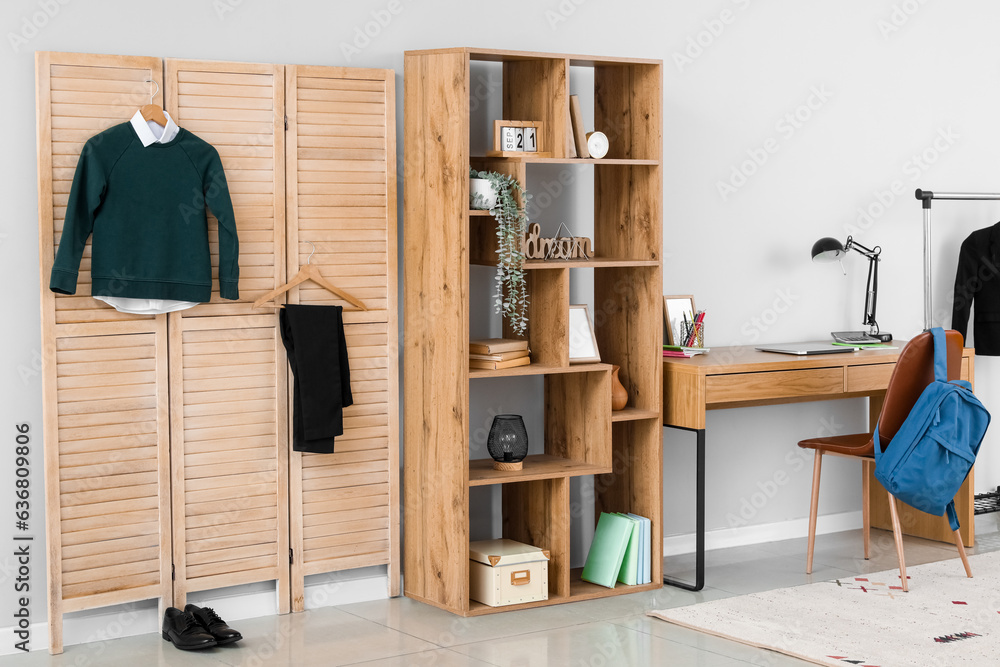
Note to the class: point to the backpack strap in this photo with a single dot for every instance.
(952, 515)
(940, 355)
(940, 375)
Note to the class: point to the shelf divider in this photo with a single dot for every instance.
(548, 315)
(577, 417)
(545, 100)
(537, 513)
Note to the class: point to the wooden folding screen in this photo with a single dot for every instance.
(104, 388)
(189, 411)
(341, 161)
(229, 423)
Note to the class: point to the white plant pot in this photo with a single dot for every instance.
(482, 187)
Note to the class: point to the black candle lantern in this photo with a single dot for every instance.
(507, 442)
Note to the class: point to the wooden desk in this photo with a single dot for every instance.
(737, 377)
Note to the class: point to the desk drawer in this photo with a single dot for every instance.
(873, 377)
(739, 387)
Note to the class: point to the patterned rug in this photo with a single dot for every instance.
(945, 619)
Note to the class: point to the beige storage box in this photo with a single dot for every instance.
(503, 572)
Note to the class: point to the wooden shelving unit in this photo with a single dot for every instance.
(443, 238)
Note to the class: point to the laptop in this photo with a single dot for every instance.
(807, 348)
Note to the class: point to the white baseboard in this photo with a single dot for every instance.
(94, 627)
(674, 545)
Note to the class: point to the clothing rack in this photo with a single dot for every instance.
(926, 196)
(984, 503)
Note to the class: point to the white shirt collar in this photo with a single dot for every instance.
(151, 133)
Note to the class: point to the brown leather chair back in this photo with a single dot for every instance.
(913, 372)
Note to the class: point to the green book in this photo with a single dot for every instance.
(628, 574)
(611, 539)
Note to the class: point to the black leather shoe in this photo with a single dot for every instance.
(185, 631)
(211, 623)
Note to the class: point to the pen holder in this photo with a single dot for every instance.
(693, 334)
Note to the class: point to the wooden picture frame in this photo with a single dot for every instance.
(674, 310)
(582, 337)
(518, 138)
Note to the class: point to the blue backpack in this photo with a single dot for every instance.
(927, 461)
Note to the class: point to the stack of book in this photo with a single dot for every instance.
(496, 353)
(620, 551)
(681, 351)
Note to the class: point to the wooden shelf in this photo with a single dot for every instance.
(480, 609)
(584, 590)
(536, 466)
(633, 414)
(579, 590)
(478, 211)
(538, 369)
(592, 263)
(528, 157)
(507, 56)
(578, 424)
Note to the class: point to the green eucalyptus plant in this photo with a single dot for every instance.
(511, 297)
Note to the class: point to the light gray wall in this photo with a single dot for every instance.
(902, 96)
(903, 91)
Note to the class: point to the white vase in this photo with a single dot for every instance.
(481, 186)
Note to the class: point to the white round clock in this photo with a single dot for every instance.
(597, 144)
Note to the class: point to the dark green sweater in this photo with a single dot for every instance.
(146, 209)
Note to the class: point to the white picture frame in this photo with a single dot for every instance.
(675, 309)
(582, 338)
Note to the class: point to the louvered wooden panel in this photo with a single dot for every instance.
(105, 399)
(78, 96)
(346, 495)
(229, 453)
(341, 157)
(111, 436)
(341, 164)
(238, 108)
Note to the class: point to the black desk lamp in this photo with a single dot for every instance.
(829, 249)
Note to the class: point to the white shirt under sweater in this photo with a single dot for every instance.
(149, 133)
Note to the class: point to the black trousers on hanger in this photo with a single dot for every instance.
(317, 353)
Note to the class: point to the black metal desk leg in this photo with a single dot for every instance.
(699, 553)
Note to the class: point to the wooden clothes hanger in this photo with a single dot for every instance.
(308, 272)
(154, 112)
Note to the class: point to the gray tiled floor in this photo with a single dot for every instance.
(616, 631)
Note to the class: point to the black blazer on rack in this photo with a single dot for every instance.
(978, 280)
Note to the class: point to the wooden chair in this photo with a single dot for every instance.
(913, 372)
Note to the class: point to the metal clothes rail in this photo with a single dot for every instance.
(926, 196)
